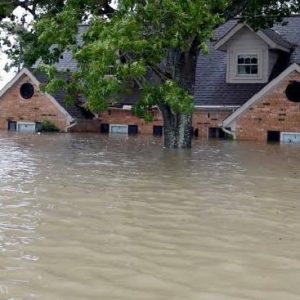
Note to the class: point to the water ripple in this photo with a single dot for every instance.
(92, 217)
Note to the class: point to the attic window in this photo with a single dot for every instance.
(27, 90)
(247, 64)
(293, 91)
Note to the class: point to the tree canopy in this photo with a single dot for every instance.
(149, 43)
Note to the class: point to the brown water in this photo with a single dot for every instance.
(91, 217)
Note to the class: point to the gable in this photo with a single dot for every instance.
(282, 79)
(244, 38)
(11, 94)
(271, 38)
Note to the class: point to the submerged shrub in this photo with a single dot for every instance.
(48, 126)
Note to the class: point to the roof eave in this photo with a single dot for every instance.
(233, 117)
(223, 40)
(271, 43)
(220, 44)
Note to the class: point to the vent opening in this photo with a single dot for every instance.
(27, 90)
(293, 91)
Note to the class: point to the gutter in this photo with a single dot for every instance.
(71, 125)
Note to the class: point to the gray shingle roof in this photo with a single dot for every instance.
(67, 62)
(277, 38)
(74, 110)
(291, 33)
(211, 87)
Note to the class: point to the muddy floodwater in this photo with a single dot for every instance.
(116, 218)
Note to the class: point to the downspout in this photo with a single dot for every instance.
(228, 132)
(71, 125)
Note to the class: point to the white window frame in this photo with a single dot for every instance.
(237, 65)
(25, 123)
(232, 75)
(259, 65)
(287, 133)
(119, 125)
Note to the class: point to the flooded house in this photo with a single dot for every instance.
(24, 107)
(247, 88)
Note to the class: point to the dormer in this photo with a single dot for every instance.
(251, 55)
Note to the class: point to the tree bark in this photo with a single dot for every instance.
(178, 127)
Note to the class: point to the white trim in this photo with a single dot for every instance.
(238, 27)
(261, 93)
(245, 78)
(229, 35)
(232, 66)
(119, 125)
(127, 107)
(258, 65)
(25, 123)
(26, 72)
(60, 108)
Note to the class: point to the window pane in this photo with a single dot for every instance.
(254, 60)
(241, 60)
(253, 69)
(248, 69)
(242, 70)
(247, 64)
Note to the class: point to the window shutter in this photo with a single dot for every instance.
(132, 129)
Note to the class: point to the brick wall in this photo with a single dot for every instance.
(125, 117)
(36, 109)
(205, 119)
(86, 125)
(274, 112)
(202, 120)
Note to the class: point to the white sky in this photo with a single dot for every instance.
(4, 76)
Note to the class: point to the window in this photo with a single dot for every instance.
(157, 130)
(27, 90)
(104, 128)
(26, 127)
(133, 129)
(216, 133)
(120, 129)
(290, 137)
(12, 126)
(247, 64)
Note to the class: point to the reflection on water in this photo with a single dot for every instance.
(92, 217)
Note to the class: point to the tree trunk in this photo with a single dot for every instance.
(177, 128)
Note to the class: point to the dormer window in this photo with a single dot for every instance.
(247, 65)
(251, 55)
